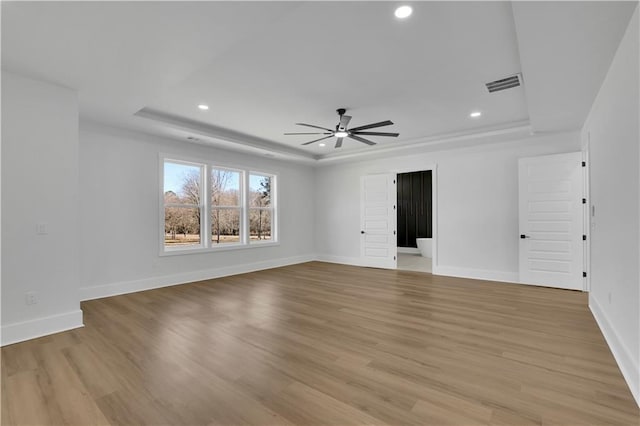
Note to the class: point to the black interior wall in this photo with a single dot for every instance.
(414, 207)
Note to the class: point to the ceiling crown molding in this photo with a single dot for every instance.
(215, 134)
(515, 130)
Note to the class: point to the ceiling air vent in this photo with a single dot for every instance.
(505, 83)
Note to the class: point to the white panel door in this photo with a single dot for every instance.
(378, 221)
(550, 203)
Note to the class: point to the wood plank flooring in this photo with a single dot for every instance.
(319, 343)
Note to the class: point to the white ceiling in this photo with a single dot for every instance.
(263, 66)
(566, 49)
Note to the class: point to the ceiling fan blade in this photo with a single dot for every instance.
(316, 127)
(318, 133)
(310, 142)
(371, 126)
(339, 142)
(344, 122)
(377, 134)
(363, 140)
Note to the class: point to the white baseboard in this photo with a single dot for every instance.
(38, 327)
(621, 353)
(123, 287)
(408, 250)
(476, 274)
(353, 261)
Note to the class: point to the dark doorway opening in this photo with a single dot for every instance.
(415, 207)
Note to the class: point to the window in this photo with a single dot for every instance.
(182, 205)
(226, 206)
(260, 207)
(236, 210)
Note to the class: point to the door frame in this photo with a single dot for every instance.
(587, 212)
(434, 207)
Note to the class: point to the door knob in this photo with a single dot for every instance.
(362, 232)
(522, 236)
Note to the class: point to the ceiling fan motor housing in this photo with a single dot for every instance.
(340, 112)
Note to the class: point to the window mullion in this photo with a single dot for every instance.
(188, 206)
(245, 207)
(206, 208)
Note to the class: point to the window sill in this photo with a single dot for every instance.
(230, 247)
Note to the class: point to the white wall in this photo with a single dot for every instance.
(611, 132)
(39, 185)
(119, 210)
(477, 204)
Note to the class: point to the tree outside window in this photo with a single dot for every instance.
(260, 207)
(182, 205)
(226, 206)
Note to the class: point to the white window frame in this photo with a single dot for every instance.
(272, 208)
(206, 245)
(203, 182)
(241, 206)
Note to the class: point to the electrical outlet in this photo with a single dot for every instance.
(31, 298)
(41, 229)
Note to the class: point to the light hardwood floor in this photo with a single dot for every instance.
(320, 343)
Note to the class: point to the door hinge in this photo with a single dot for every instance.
(584, 275)
(584, 237)
(394, 258)
(584, 164)
(584, 201)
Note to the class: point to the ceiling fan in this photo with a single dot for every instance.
(342, 131)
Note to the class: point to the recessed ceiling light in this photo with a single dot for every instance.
(322, 144)
(475, 114)
(203, 107)
(403, 12)
(341, 134)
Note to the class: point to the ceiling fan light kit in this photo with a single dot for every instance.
(342, 131)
